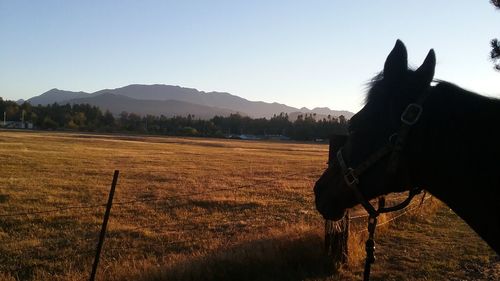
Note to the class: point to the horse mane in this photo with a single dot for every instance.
(372, 88)
(451, 87)
(373, 85)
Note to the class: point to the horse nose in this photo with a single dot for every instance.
(318, 185)
(316, 190)
(317, 196)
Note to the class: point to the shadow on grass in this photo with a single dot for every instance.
(280, 258)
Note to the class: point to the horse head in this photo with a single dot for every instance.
(374, 127)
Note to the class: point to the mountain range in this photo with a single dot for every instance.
(174, 101)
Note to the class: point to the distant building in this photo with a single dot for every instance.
(278, 137)
(244, 137)
(16, 125)
(258, 137)
(249, 137)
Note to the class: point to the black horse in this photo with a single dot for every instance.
(441, 138)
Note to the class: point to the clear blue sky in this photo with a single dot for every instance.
(302, 53)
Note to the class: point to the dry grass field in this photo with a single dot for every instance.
(198, 209)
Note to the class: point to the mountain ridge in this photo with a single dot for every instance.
(169, 108)
(219, 102)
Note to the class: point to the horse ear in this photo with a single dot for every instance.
(426, 70)
(396, 63)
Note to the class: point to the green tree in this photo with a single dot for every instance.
(79, 118)
(342, 120)
(48, 123)
(495, 44)
(108, 120)
(188, 131)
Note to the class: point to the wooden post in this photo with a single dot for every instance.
(336, 237)
(104, 225)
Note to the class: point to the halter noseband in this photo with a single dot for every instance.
(409, 117)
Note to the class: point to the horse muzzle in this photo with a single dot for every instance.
(325, 205)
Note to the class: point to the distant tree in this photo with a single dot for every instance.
(135, 123)
(342, 120)
(188, 131)
(79, 119)
(33, 117)
(108, 119)
(48, 123)
(71, 125)
(90, 118)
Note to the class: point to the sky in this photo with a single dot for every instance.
(301, 53)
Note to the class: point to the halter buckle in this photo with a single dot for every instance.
(350, 178)
(411, 114)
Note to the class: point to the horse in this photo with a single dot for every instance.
(415, 132)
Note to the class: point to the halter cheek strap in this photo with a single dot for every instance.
(409, 117)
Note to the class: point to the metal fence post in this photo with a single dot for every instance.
(104, 225)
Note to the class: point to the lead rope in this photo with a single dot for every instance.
(370, 247)
(370, 243)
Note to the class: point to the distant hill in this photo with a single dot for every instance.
(56, 95)
(218, 101)
(214, 99)
(118, 103)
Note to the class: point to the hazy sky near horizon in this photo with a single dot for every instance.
(301, 53)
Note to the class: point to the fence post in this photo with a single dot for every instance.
(336, 237)
(104, 225)
(381, 202)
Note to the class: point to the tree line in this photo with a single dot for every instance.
(85, 117)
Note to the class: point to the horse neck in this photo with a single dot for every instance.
(456, 153)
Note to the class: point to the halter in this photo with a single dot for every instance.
(409, 117)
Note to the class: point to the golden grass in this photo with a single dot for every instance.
(252, 216)
(44, 171)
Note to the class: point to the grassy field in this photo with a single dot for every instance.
(198, 209)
